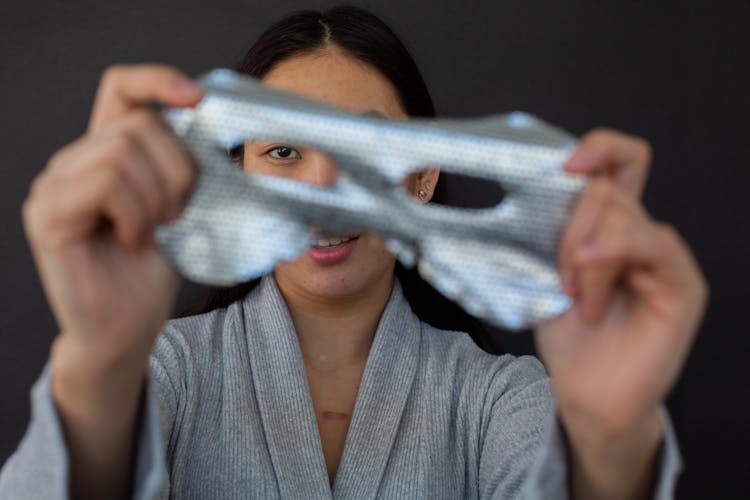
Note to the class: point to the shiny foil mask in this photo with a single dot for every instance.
(499, 263)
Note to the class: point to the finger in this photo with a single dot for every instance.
(629, 249)
(600, 263)
(123, 88)
(141, 145)
(172, 163)
(673, 279)
(149, 185)
(659, 248)
(589, 207)
(623, 157)
(126, 152)
(69, 209)
(126, 214)
(121, 149)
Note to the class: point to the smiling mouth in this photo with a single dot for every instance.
(328, 250)
(325, 241)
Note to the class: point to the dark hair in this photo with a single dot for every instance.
(367, 38)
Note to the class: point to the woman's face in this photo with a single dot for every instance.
(343, 266)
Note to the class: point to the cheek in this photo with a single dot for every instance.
(261, 168)
(374, 253)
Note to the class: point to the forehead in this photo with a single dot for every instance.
(337, 79)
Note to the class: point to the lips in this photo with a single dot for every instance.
(332, 242)
(331, 249)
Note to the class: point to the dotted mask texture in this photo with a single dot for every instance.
(499, 263)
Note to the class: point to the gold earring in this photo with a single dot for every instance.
(422, 194)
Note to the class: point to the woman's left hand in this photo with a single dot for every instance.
(638, 297)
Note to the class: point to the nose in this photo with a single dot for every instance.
(320, 170)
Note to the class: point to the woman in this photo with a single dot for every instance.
(258, 398)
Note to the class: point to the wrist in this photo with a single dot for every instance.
(92, 382)
(97, 396)
(613, 461)
(99, 353)
(608, 423)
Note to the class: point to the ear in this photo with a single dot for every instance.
(426, 181)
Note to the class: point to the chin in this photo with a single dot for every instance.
(370, 266)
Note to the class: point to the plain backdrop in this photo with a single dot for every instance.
(674, 72)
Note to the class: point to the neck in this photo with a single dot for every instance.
(336, 334)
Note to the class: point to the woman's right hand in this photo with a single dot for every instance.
(91, 213)
(89, 218)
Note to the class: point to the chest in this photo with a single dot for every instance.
(334, 395)
(269, 447)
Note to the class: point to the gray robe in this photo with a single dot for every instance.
(228, 414)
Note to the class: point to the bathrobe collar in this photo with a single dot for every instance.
(286, 409)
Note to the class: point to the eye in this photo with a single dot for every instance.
(283, 153)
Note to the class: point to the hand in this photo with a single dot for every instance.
(90, 214)
(90, 218)
(638, 300)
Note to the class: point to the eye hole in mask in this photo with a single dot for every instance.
(467, 191)
(456, 190)
(274, 158)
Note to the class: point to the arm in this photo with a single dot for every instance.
(638, 297)
(40, 467)
(550, 476)
(89, 218)
(525, 452)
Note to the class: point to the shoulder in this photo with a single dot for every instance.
(453, 358)
(197, 341)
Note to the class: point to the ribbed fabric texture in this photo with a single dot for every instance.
(228, 414)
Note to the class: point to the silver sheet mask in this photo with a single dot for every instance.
(499, 263)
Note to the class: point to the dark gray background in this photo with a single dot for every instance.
(672, 71)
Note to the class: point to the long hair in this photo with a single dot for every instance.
(366, 37)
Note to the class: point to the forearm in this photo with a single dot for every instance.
(612, 464)
(97, 398)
